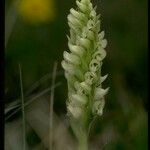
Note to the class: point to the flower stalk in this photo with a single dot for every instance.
(82, 65)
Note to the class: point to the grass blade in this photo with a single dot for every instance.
(51, 106)
(31, 100)
(23, 111)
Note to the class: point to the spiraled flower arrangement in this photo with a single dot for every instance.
(82, 67)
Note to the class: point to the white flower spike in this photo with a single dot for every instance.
(82, 65)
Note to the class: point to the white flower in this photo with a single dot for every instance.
(83, 63)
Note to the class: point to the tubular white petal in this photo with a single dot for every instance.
(99, 93)
(103, 78)
(90, 77)
(79, 99)
(80, 89)
(75, 111)
(91, 35)
(94, 65)
(76, 85)
(93, 14)
(104, 43)
(74, 21)
(86, 87)
(99, 55)
(72, 36)
(90, 24)
(98, 16)
(83, 8)
(68, 67)
(101, 35)
(95, 7)
(97, 25)
(75, 13)
(78, 50)
(73, 27)
(70, 78)
(86, 33)
(78, 15)
(85, 42)
(98, 107)
(74, 59)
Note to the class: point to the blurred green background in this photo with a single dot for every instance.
(37, 45)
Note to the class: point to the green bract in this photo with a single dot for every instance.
(82, 64)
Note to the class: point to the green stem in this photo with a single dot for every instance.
(83, 142)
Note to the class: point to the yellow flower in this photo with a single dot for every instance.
(36, 11)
